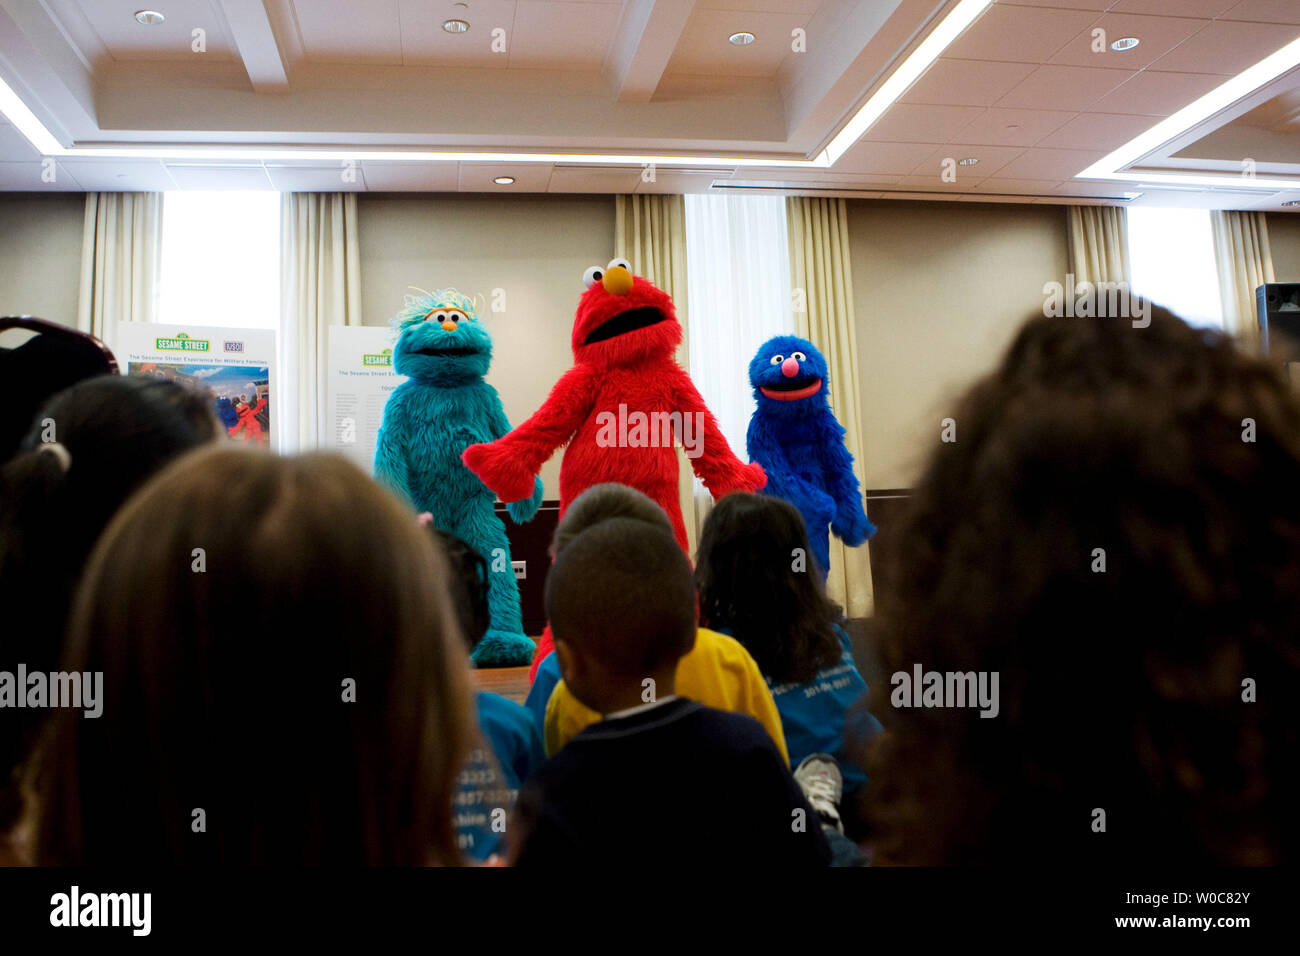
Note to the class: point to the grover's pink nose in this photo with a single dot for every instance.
(790, 367)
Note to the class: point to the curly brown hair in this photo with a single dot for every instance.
(1116, 533)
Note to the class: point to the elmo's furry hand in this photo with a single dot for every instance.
(501, 471)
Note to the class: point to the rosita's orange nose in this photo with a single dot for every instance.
(449, 326)
(617, 281)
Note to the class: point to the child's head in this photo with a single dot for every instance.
(468, 584)
(622, 609)
(600, 502)
(280, 660)
(1114, 536)
(758, 582)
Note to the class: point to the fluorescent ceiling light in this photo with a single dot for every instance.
(1221, 97)
(25, 121)
(962, 16)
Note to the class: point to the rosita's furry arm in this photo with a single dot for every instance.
(391, 453)
(510, 464)
(720, 470)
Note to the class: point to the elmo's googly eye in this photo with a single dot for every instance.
(456, 316)
(778, 359)
(619, 262)
(798, 356)
(593, 275)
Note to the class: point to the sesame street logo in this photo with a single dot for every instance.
(382, 358)
(182, 343)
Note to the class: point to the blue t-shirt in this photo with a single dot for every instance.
(510, 750)
(814, 715)
(548, 675)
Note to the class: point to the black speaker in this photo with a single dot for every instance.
(1277, 305)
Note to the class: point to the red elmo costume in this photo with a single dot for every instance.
(252, 428)
(624, 334)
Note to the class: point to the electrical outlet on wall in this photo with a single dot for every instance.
(521, 569)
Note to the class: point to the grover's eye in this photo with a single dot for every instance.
(798, 356)
(456, 316)
(619, 262)
(593, 275)
(778, 359)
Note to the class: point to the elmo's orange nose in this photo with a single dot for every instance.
(449, 326)
(617, 281)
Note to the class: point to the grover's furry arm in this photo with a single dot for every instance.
(510, 464)
(783, 480)
(850, 523)
(720, 470)
(525, 508)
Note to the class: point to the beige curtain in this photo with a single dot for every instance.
(1098, 243)
(121, 250)
(820, 265)
(1245, 263)
(650, 232)
(320, 286)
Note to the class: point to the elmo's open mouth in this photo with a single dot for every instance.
(792, 390)
(628, 321)
(446, 353)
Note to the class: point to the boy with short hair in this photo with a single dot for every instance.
(628, 789)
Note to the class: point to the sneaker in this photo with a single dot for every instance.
(819, 777)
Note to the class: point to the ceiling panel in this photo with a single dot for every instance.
(1226, 48)
(990, 158)
(529, 177)
(342, 31)
(807, 7)
(1022, 187)
(1099, 131)
(703, 46)
(29, 177)
(1013, 127)
(568, 179)
(14, 147)
(1097, 5)
(425, 43)
(1183, 8)
(219, 177)
(119, 175)
(1063, 88)
(1159, 35)
(1157, 94)
(910, 123)
(936, 183)
(966, 82)
(127, 39)
(1265, 11)
(1020, 34)
(561, 36)
(679, 182)
(416, 177)
(316, 179)
(1049, 164)
(883, 158)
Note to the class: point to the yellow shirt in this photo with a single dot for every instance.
(718, 672)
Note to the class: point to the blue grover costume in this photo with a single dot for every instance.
(442, 409)
(794, 435)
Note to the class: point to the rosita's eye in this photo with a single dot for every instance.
(798, 356)
(619, 262)
(456, 316)
(778, 359)
(437, 315)
(593, 275)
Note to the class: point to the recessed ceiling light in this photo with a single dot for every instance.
(968, 161)
(455, 26)
(149, 17)
(741, 39)
(1124, 43)
(504, 180)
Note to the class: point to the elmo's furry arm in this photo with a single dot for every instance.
(526, 508)
(509, 465)
(720, 470)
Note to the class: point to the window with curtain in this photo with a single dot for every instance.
(739, 295)
(1173, 262)
(220, 259)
